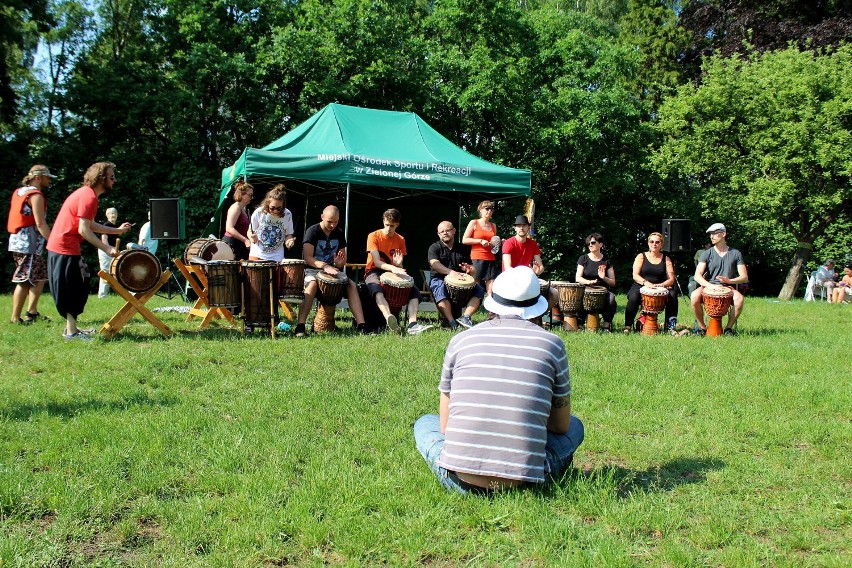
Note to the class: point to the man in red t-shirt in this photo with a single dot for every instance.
(385, 251)
(521, 250)
(67, 272)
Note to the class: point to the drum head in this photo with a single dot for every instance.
(136, 270)
(461, 281)
(216, 250)
(339, 278)
(396, 280)
(716, 291)
(649, 291)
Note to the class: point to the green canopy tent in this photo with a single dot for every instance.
(373, 149)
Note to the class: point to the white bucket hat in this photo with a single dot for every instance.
(516, 292)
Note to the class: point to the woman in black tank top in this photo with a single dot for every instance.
(652, 269)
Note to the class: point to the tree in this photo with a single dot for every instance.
(765, 139)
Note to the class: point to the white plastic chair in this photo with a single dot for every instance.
(812, 287)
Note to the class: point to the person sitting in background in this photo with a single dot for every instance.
(271, 227)
(505, 404)
(653, 269)
(826, 278)
(692, 285)
(844, 287)
(595, 269)
(324, 250)
(104, 258)
(145, 240)
(723, 266)
(522, 250)
(446, 257)
(385, 253)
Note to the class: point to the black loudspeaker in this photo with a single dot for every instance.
(677, 235)
(167, 218)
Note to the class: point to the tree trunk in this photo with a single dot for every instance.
(794, 277)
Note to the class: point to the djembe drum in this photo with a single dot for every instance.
(717, 301)
(290, 279)
(570, 303)
(594, 302)
(259, 308)
(136, 270)
(544, 291)
(207, 249)
(653, 302)
(459, 290)
(397, 290)
(223, 284)
(330, 290)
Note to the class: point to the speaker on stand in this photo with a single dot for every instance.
(168, 225)
(677, 236)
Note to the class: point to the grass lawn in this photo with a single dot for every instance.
(211, 449)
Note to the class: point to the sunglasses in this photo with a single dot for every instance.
(593, 242)
(655, 242)
(276, 209)
(489, 207)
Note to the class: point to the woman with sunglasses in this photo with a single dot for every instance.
(594, 269)
(654, 270)
(271, 227)
(478, 237)
(237, 220)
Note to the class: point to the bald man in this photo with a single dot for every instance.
(446, 257)
(324, 250)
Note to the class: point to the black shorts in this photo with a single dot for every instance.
(486, 270)
(69, 283)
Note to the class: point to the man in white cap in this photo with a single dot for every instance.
(723, 266)
(505, 406)
(28, 233)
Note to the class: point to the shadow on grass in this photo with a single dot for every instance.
(74, 408)
(655, 479)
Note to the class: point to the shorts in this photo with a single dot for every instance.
(69, 283)
(486, 270)
(29, 268)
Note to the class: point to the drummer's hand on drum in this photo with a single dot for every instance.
(467, 268)
(331, 270)
(724, 280)
(399, 269)
(114, 251)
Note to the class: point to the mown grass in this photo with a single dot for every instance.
(211, 449)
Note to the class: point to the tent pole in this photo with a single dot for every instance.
(346, 228)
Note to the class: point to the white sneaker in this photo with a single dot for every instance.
(416, 328)
(80, 335)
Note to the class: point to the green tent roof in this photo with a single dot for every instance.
(363, 146)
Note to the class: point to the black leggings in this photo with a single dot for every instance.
(634, 301)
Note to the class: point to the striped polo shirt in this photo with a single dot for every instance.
(501, 376)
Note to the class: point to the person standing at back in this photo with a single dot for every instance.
(67, 272)
(104, 259)
(28, 232)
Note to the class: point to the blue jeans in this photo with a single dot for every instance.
(558, 450)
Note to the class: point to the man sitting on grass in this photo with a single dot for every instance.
(505, 408)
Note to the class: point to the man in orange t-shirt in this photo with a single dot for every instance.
(385, 251)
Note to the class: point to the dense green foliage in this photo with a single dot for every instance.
(209, 449)
(173, 90)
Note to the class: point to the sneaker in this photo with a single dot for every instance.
(393, 325)
(730, 331)
(628, 329)
(465, 322)
(415, 328)
(453, 325)
(699, 332)
(300, 330)
(80, 335)
(672, 324)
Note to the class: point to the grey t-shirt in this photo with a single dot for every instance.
(718, 265)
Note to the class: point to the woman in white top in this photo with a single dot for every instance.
(271, 227)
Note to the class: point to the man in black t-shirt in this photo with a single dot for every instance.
(448, 257)
(324, 250)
